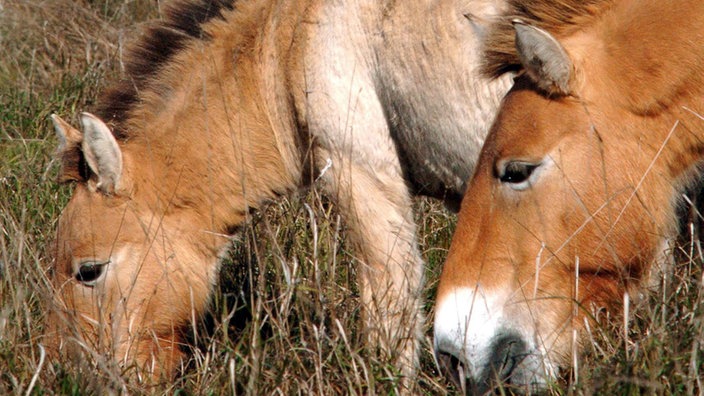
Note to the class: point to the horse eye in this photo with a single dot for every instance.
(517, 174)
(89, 272)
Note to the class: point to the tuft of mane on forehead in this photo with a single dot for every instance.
(559, 17)
(183, 21)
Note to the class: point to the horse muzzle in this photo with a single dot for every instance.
(481, 350)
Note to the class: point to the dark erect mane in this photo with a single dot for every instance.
(558, 17)
(183, 21)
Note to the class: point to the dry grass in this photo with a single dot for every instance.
(284, 320)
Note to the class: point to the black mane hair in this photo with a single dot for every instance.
(183, 21)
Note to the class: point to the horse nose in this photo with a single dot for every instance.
(507, 352)
(503, 359)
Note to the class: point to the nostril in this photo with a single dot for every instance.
(508, 351)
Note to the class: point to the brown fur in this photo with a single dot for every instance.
(615, 153)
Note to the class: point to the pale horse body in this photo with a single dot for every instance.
(377, 101)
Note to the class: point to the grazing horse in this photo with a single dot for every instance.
(575, 195)
(228, 104)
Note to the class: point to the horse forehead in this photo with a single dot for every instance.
(531, 124)
(91, 213)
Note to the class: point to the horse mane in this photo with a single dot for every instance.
(559, 17)
(183, 21)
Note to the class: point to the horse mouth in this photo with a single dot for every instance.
(453, 369)
(509, 370)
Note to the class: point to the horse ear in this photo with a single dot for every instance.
(69, 151)
(543, 58)
(101, 152)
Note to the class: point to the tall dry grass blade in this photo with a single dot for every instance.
(40, 365)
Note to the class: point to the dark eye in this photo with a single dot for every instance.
(90, 271)
(517, 173)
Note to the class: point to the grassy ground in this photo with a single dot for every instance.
(285, 317)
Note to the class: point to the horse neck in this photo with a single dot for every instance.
(204, 143)
(644, 69)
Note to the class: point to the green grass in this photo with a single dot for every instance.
(284, 319)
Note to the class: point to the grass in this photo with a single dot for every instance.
(284, 319)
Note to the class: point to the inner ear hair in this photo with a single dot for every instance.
(544, 59)
(72, 163)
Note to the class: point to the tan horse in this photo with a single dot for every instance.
(574, 198)
(225, 106)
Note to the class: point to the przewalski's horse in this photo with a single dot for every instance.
(575, 192)
(226, 105)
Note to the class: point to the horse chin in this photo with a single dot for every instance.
(154, 358)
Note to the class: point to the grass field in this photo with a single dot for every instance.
(284, 319)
